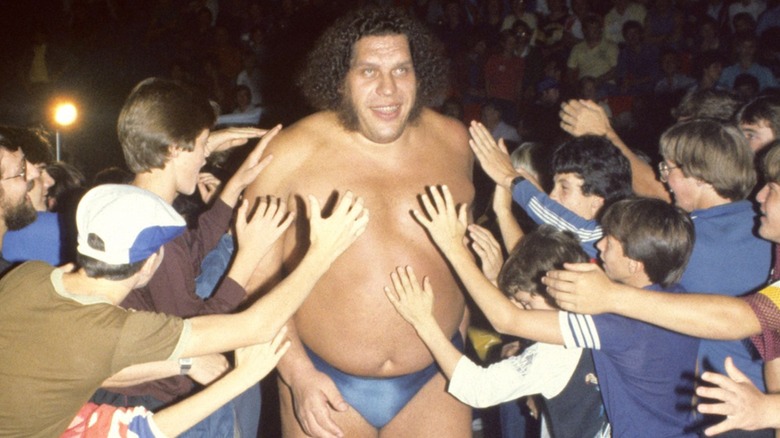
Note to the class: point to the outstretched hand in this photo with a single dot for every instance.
(411, 300)
(258, 360)
(583, 117)
(268, 222)
(740, 401)
(229, 138)
(580, 288)
(489, 251)
(334, 234)
(492, 156)
(445, 222)
(250, 168)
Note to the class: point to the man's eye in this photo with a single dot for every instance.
(368, 72)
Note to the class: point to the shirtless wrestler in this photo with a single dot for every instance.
(375, 136)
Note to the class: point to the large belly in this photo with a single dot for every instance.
(348, 320)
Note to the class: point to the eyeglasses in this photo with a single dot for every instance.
(22, 172)
(664, 169)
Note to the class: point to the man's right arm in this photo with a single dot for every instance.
(585, 288)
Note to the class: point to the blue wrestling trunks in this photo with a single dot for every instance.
(379, 399)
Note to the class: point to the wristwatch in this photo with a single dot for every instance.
(185, 364)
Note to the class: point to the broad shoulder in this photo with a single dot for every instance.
(448, 132)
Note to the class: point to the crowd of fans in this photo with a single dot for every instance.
(533, 73)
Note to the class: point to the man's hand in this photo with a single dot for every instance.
(583, 117)
(488, 250)
(581, 288)
(249, 169)
(268, 222)
(258, 360)
(744, 406)
(445, 223)
(313, 398)
(413, 302)
(334, 234)
(493, 157)
(208, 368)
(208, 186)
(229, 138)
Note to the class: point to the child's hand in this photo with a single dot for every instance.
(445, 222)
(258, 360)
(413, 302)
(488, 250)
(493, 157)
(334, 234)
(229, 138)
(268, 222)
(208, 186)
(250, 168)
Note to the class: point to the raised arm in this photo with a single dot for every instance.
(494, 158)
(511, 233)
(584, 288)
(446, 225)
(582, 117)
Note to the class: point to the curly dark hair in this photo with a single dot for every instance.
(322, 79)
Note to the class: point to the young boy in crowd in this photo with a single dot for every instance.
(121, 233)
(588, 173)
(584, 288)
(759, 120)
(164, 129)
(644, 371)
(564, 377)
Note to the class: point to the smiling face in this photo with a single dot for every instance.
(567, 191)
(380, 88)
(685, 189)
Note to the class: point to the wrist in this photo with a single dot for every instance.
(185, 365)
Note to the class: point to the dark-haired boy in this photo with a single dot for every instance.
(564, 377)
(588, 173)
(645, 372)
(164, 129)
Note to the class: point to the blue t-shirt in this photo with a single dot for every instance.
(728, 259)
(645, 372)
(41, 240)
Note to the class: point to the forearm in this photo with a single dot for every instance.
(142, 373)
(642, 174)
(504, 316)
(295, 362)
(258, 323)
(699, 315)
(511, 233)
(445, 354)
(181, 416)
